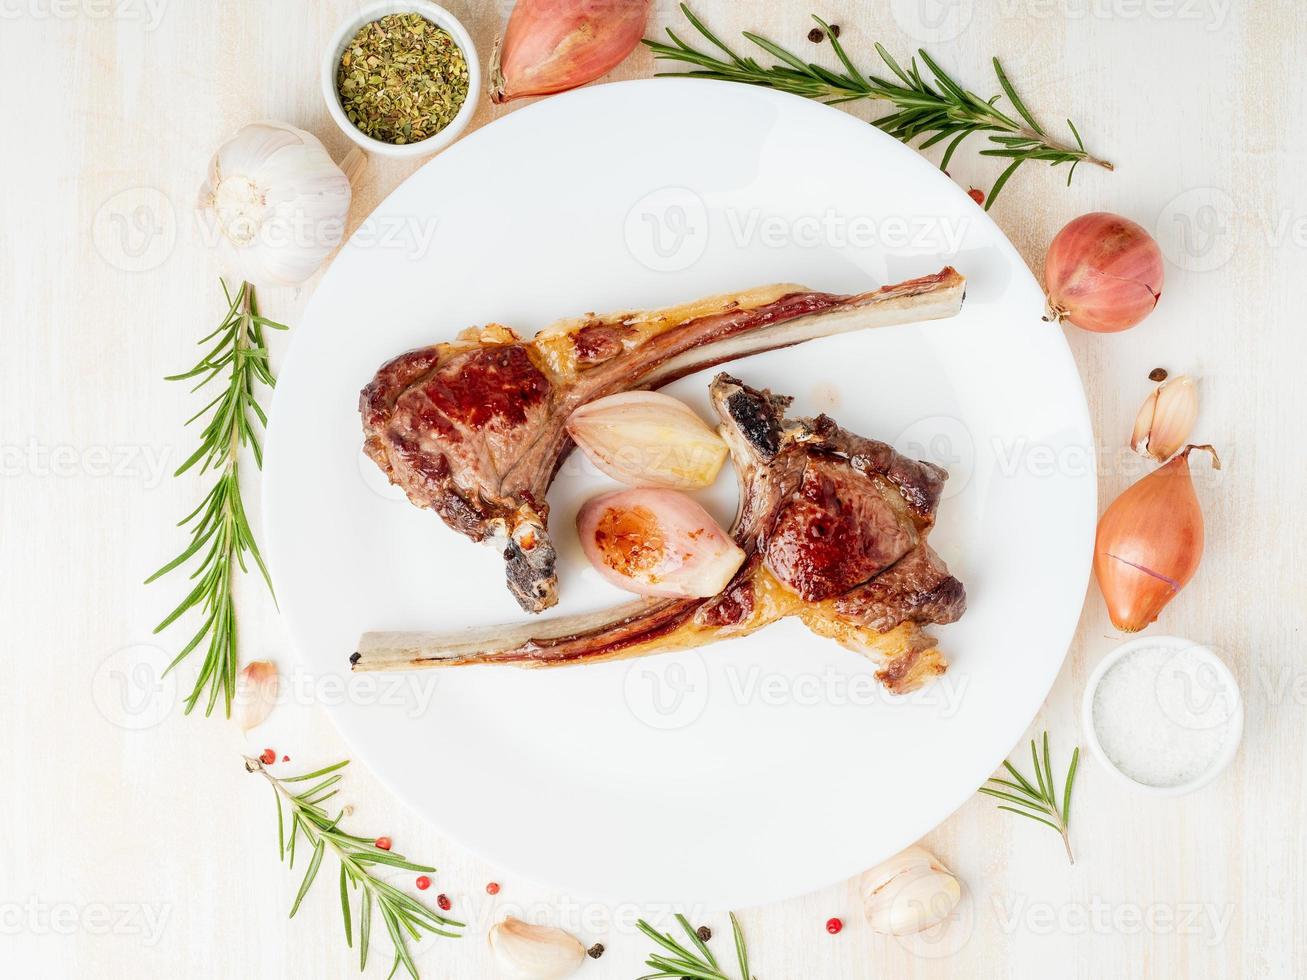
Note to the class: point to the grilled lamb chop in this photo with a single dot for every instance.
(834, 530)
(473, 429)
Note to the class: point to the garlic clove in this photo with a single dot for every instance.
(645, 438)
(256, 694)
(523, 951)
(1166, 418)
(657, 543)
(909, 892)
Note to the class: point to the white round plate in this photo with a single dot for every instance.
(754, 769)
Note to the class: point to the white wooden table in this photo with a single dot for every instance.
(131, 841)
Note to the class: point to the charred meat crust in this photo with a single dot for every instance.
(473, 429)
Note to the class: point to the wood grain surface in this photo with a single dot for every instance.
(133, 844)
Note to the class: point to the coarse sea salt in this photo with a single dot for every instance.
(1163, 715)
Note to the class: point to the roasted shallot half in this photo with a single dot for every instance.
(1166, 418)
(648, 439)
(1149, 543)
(1103, 273)
(657, 543)
(556, 45)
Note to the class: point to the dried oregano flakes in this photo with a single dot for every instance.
(402, 79)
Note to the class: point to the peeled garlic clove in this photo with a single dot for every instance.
(256, 694)
(644, 438)
(524, 951)
(657, 543)
(909, 892)
(1166, 418)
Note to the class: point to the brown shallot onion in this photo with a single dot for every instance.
(1149, 543)
(1103, 273)
(657, 543)
(556, 45)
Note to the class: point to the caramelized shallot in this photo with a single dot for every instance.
(657, 543)
(648, 439)
(1149, 543)
(556, 45)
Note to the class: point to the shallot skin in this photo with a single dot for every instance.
(1103, 273)
(1149, 544)
(555, 45)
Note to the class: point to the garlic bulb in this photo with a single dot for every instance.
(276, 202)
(256, 694)
(909, 892)
(648, 439)
(1166, 418)
(528, 952)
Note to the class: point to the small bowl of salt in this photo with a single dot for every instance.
(1163, 714)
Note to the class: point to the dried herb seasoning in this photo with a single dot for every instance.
(402, 79)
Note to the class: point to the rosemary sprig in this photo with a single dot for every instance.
(937, 108)
(1038, 800)
(685, 963)
(219, 527)
(402, 915)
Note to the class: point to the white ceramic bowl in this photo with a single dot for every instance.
(441, 18)
(1176, 644)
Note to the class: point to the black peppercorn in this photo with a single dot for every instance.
(1157, 374)
(704, 933)
(595, 951)
(835, 30)
(816, 36)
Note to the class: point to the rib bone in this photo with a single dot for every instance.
(834, 528)
(473, 429)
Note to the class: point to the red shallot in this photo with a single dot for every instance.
(1103, 273)
(556, 45)
(1149, 543)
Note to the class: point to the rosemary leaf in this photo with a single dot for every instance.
(219, 526)
(1038, 804)
(403, 915)
(927, 110)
